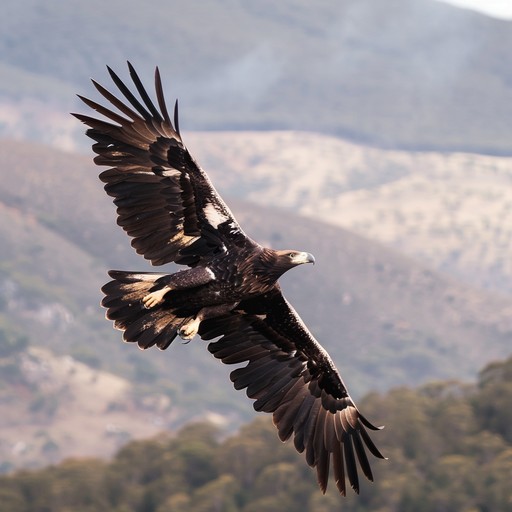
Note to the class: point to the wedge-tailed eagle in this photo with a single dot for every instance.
(230, 291)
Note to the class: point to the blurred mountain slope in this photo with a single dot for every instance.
(385, 319)
(414, 74)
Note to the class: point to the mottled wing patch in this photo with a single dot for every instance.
(164, 200)
(214, 216)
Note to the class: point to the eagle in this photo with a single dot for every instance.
(228, 293)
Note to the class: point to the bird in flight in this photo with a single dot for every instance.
(229, 294)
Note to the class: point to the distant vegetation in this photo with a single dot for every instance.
(449, 447)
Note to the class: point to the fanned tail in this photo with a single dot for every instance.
(123, 301)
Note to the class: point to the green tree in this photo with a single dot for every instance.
(196, 445)
(77, 484)
(254, 448)
(12, 500)
(179, 502)
(218, 495)
(277, 478)
(453, 484)
(33, 487)
(493, 401)
(496, 485)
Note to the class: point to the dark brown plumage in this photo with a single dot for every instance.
(167, 205)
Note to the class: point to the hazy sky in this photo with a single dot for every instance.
(495, 8)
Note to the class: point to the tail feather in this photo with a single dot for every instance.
(123, 301)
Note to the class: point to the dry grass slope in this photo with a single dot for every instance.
(453, 211)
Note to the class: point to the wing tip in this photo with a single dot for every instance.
(176, 118)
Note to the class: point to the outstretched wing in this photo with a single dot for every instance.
(164, 200)
(290, 375)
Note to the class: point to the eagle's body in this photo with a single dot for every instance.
(229, 292)
(229, 279)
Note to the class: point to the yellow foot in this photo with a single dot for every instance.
(189, 329)
(154, 298)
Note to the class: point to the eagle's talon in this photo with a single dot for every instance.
(152, 299)
(189, 329)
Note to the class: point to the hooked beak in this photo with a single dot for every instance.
(303, 257)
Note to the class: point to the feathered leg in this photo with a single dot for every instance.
(191, 278)
(189, 329)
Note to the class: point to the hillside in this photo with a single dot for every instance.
(452, 211)
(60, 220)
(385, 319)
(414, 74)
(53, 407)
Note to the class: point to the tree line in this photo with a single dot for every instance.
(449, 448)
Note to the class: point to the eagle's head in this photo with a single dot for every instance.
(273, 264)
(291, 259)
